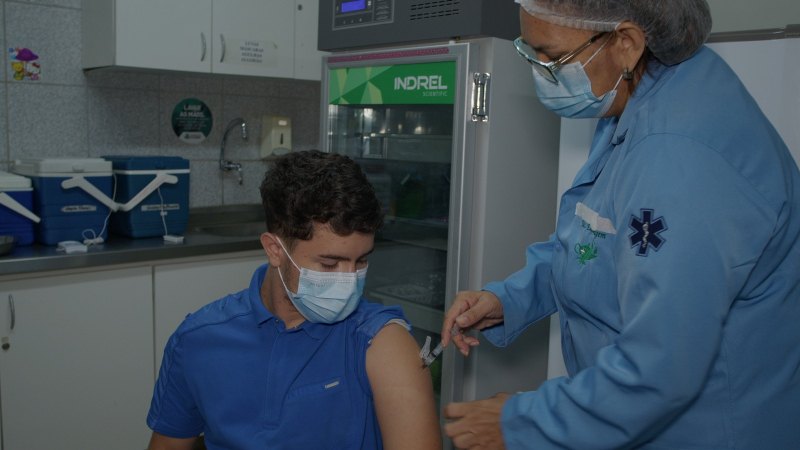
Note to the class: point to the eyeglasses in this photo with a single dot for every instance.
(548, 69)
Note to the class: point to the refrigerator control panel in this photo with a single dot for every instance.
(359, 13)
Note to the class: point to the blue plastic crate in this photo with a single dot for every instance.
(16, 194)
(68, 214)
(134, 175)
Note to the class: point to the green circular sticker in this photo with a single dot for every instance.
(192, 121)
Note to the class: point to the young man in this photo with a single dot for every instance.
(299, 360)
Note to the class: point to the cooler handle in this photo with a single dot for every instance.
(91, 190)
(7, 201)
(161, 178)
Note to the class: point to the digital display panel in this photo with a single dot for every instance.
(356, 5)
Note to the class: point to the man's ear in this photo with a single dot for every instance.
(273, 249)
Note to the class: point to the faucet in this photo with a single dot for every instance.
(230, 165)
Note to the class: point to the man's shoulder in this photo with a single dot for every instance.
(218, 312)
(370, 317)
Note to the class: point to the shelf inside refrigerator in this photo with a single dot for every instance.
(423, 316)
(429, 233)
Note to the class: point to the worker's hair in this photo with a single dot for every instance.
(305, 188)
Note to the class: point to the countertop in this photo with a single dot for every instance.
(122, 250)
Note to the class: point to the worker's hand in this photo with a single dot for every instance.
(478, 424)
(474, 310)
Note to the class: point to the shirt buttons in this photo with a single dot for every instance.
(558, 247)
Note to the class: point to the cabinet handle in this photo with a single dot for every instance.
(203, 39)
(13, 312)
(222, 39)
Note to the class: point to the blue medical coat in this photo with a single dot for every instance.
(675, 268)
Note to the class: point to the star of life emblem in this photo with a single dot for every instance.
(646, 232)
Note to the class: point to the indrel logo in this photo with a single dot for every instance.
(427, 82)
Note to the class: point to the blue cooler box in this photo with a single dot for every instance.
(135, 173)
(12, 221)
(68, 214)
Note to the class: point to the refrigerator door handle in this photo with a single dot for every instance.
(480, 97)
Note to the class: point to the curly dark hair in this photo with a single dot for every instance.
(311, 187)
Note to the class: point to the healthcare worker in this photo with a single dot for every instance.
(676, 258)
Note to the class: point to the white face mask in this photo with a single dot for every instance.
(325, 297)
(572, 96)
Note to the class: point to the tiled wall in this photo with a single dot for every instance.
(70, 112)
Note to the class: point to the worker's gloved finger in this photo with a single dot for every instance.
(463, 343)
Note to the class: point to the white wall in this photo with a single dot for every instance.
(738, 15)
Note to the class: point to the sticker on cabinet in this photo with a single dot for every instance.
(252, 52)
(24, 65)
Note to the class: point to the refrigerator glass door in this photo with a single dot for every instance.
(397, 121)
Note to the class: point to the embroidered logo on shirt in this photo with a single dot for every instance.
(645, 234)
(585, 252)
(597, 226)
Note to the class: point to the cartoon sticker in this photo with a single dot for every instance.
(22, 62)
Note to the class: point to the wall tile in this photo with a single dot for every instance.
(64, 3)
(54, 34)
(248, 192)
(171, 145)
(205, 183)
(110, 78)
(123, 122)
(306, 90)
(305, 122)
(207, 84)
(250, 109)
(45, 120)
(250, 86)
(4, 153)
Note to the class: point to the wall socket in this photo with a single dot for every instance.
(276, 132)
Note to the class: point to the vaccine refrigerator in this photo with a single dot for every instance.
(465, 160)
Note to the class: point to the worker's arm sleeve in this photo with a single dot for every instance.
(526, 295)
(673, 300)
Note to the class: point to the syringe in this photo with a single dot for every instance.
(429, 356)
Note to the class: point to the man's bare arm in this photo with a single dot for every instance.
(161, 442)
(402, 391)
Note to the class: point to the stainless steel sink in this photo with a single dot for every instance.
(243, 229)
(228, 220)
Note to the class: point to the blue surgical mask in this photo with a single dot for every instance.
(325, 297)
(572, 96)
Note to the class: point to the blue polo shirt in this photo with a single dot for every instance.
(234, 372)
(675, 269)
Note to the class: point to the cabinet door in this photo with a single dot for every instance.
(164, 34)
(253, 37)
(181, 289)
(76, 372)
(307, 59)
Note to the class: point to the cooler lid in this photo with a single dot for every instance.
(35, 166)
(11, 182)
(148, 162)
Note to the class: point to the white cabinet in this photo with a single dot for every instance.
(307, 59)
(181, 289)
(76, 369)
(269, 38)
(253, 37)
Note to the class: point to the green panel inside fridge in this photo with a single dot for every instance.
(403, 84)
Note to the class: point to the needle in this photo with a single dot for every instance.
(430, 357)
